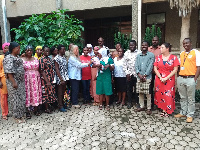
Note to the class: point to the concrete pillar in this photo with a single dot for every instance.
(135, 20)
(58, 4)
(5, 29)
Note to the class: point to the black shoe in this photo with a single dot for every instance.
(129, 106)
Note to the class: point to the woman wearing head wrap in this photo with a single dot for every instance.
(32, 81)
(14, 70)
(103, 84)
(38, 52)
(3, 87)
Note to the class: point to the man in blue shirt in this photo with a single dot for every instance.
(143, 68)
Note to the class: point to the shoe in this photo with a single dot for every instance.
(5, 117)
(140, 109)
(108, 107)
(149, 112)
(129, 106)
(28, 115)
(100, 107)
(76, 106)
(48, 111)
(179, 116)
(189, 120)
(62, 110)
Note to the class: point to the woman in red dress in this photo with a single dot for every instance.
(165, 67)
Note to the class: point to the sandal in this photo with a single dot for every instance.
(37, 113)
(48, 111)
(118, 102)
(28, 115)
(166, 115)
(100, 107)
(108, 107)
(162, 114)
(18, 120)
(5, 117)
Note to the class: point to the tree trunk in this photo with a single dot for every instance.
(185, 29)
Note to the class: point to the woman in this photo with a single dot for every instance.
(103, 84)
(165, 67)
(14, 71)
(94, 71)
(86, 76)
(54, 52)
(32, 82)
(61, 75)
(120, 77)
(3, 87)
(74, 66)
(38, 52)
(47, 71)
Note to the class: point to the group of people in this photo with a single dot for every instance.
(29, 82)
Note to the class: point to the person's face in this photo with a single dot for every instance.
(89, 49)
(163, 49)
(132, 46)
(144, 46)
(99, 55)
(76, 51)
(39, 52)
(62, 51)
(187, 44)
(55, 52)
(85, 51)
(46, 51)
(29, 52)
(155, 41)
(16, 50)
(120, 52)
(114, 54)
(95, 51)
(6, 48)
(118, 46)
(100, 42)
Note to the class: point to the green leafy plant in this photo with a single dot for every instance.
(49, 29)
(123, 39)
(152, 32)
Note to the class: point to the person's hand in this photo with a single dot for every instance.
(23, 55)
(144, 78)
(113, 80)
(141, 77)
(164, 79)
(100, 67)
(62, 82)
(15, 85)
(128, 77)
(95, 78)
(48, 84)
(1, 85)
(106, 66)
(91, 61)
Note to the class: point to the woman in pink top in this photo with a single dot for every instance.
(32, 82)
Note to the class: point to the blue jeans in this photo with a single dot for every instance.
(74, 91)
(86, 90)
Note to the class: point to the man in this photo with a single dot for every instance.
(101, 45)
(144, 66)
(155, 49)
(187, 80)
(129, 68)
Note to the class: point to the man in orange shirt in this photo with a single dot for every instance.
(187, 80)
(155, 49)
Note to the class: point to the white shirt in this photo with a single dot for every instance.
(118, 71)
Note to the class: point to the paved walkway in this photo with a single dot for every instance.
(90, 128)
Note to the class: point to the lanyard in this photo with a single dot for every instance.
(185, 57)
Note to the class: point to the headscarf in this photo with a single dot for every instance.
(12, 46)
(36, 53)
(4, 45)
(103, 52)
(92, 52)
(96, 48)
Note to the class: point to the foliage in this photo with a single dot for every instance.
(49, 29)
(152, 32)
(123, 39)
